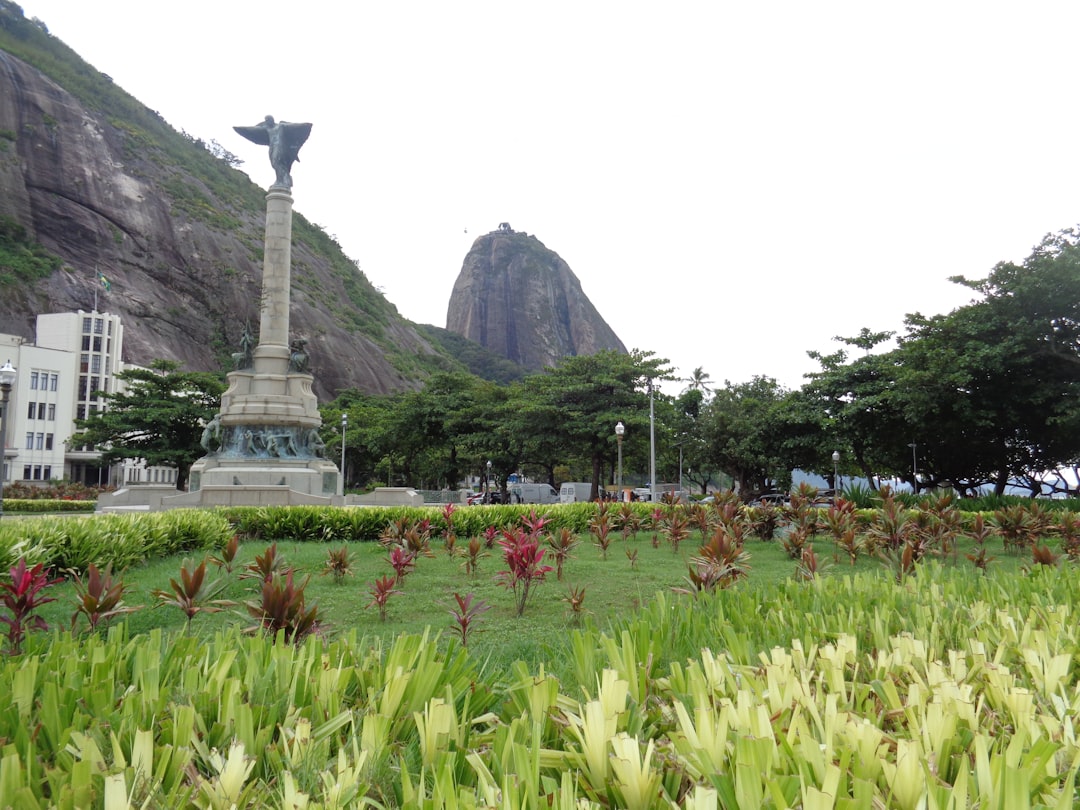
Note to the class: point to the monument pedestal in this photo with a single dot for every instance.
(264, 447)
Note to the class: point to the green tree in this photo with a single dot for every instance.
(741, 435)
(578, 402)
(851, 407)
(159, 417)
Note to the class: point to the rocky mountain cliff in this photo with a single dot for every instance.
(519, 299)
(93, 181)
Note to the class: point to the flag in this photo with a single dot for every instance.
(104, 281)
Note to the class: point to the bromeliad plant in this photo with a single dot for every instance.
(22, 596)
(524, 560)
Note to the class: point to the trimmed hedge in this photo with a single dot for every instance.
(38, 505)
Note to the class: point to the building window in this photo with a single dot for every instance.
(95, 364)
(37, 472)
(86, 343)
(94, 384)
(40, 444)
(84, 363)
(98, 324)
(82, 387)
(52, 412)
(86, 325)
(48, 441)
(110, 327)
(31, 409)
(30, 441)
(26, 472)
(47, 472)
(80, 412)
(41, 410)
(97, 344)
(54, 381)
(33, 380)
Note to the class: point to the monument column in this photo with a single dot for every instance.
(264, 447)
(272, 353)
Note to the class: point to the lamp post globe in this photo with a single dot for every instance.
(836, 475)
(7, 380)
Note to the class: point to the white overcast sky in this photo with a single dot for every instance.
(734, 183)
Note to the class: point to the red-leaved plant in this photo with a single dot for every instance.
(228, 557)
(192, 594)
(402, 561)
(524, 564)
(381, 590)
(466, 615)
(282, 608)
(472, 554)
(22, 596)
(99, 598)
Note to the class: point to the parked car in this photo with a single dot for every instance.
(775, 498)
(485, 497)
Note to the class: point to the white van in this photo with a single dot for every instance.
(533, 493)
(574, 492)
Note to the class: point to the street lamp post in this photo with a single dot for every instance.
(7, 379)
(914, 469)
(344, 424)
(620, 429)
(835, 475)
(487, 483)
(652, 448)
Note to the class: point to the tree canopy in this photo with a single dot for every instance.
(159, 417)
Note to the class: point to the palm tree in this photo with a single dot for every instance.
(698, 381)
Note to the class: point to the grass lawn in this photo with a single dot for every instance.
(614, 588)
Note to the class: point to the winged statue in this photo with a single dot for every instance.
(284, 139)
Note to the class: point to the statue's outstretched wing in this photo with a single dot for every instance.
(295, 136)
(258, 134)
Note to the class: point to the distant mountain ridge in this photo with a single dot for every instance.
(91, 176)
(92, 181)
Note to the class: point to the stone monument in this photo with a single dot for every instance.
(264, 445)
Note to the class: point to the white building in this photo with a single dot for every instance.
(74, 355)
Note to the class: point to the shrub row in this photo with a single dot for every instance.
(946, 691)
(37, 505)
